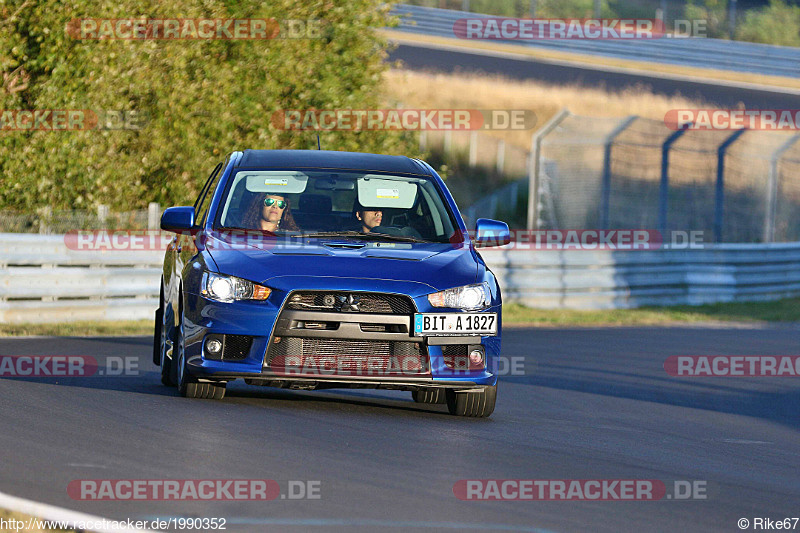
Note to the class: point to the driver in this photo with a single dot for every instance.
(369, 217)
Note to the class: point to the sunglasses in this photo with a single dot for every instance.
(269, 201)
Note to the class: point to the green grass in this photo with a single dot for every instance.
(80, 329)
(787, 310)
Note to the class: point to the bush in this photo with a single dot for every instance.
(715, 13)
(778, 23)
(203, 98)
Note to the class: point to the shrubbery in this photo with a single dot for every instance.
(778, 23)
(203, 97)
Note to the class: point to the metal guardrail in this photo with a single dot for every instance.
(612, 279)
(692, 52)
(42, 281)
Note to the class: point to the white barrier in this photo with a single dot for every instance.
(41, 280)
(609, 279)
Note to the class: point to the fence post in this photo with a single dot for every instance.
(605, 197)
(772, 189)
(501, 157)
(423, 141)
(102, 214)
(664, 188)
(719, 197)
(534, 164)
(153, 210)
(45, 217)
(473, 148)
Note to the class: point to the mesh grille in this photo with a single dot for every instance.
(236, 347)
(348, 357)
(333, 302)
(455, 356)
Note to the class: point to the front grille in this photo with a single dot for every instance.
(236, 347)
(347, 357)
(336, 302)
(456, 356)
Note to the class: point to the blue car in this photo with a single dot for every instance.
(320, 269)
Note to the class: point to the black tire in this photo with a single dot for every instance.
(478, 404)
(157, 336)
(205, 390)
(187, 384)
(429, 396)
(160, 343)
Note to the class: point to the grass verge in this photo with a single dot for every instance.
(787, 310)
(80, 329)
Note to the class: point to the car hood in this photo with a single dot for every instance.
(412, 268)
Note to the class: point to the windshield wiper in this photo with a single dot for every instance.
(359, 235)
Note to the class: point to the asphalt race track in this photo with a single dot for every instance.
(433, 59)
(592, 404)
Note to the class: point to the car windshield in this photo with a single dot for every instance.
(350, 205)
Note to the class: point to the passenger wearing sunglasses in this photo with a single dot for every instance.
(270, 212)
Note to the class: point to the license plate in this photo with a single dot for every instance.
(432, 324)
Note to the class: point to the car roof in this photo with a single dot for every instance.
(328, 159)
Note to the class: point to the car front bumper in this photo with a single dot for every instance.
(266, 324)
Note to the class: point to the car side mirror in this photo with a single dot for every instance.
(491, 233)
(178, 219)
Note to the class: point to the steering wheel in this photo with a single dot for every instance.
(404, 231)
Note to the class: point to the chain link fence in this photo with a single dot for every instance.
(47, 221)
(587, 173)
(600, 173)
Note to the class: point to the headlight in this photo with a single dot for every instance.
(468, 298)
(230, 288)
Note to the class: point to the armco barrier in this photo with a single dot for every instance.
(41, 280)
(610, 279)
(691, 52)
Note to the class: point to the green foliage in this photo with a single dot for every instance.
(778, 23)
(714, 12)
(203, 98)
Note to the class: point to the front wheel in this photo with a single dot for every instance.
(429, 396)
(479, 404)
(188, 385)
(160, 343)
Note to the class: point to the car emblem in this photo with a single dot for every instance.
(349, 303)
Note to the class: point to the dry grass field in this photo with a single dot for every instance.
(472, 91)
